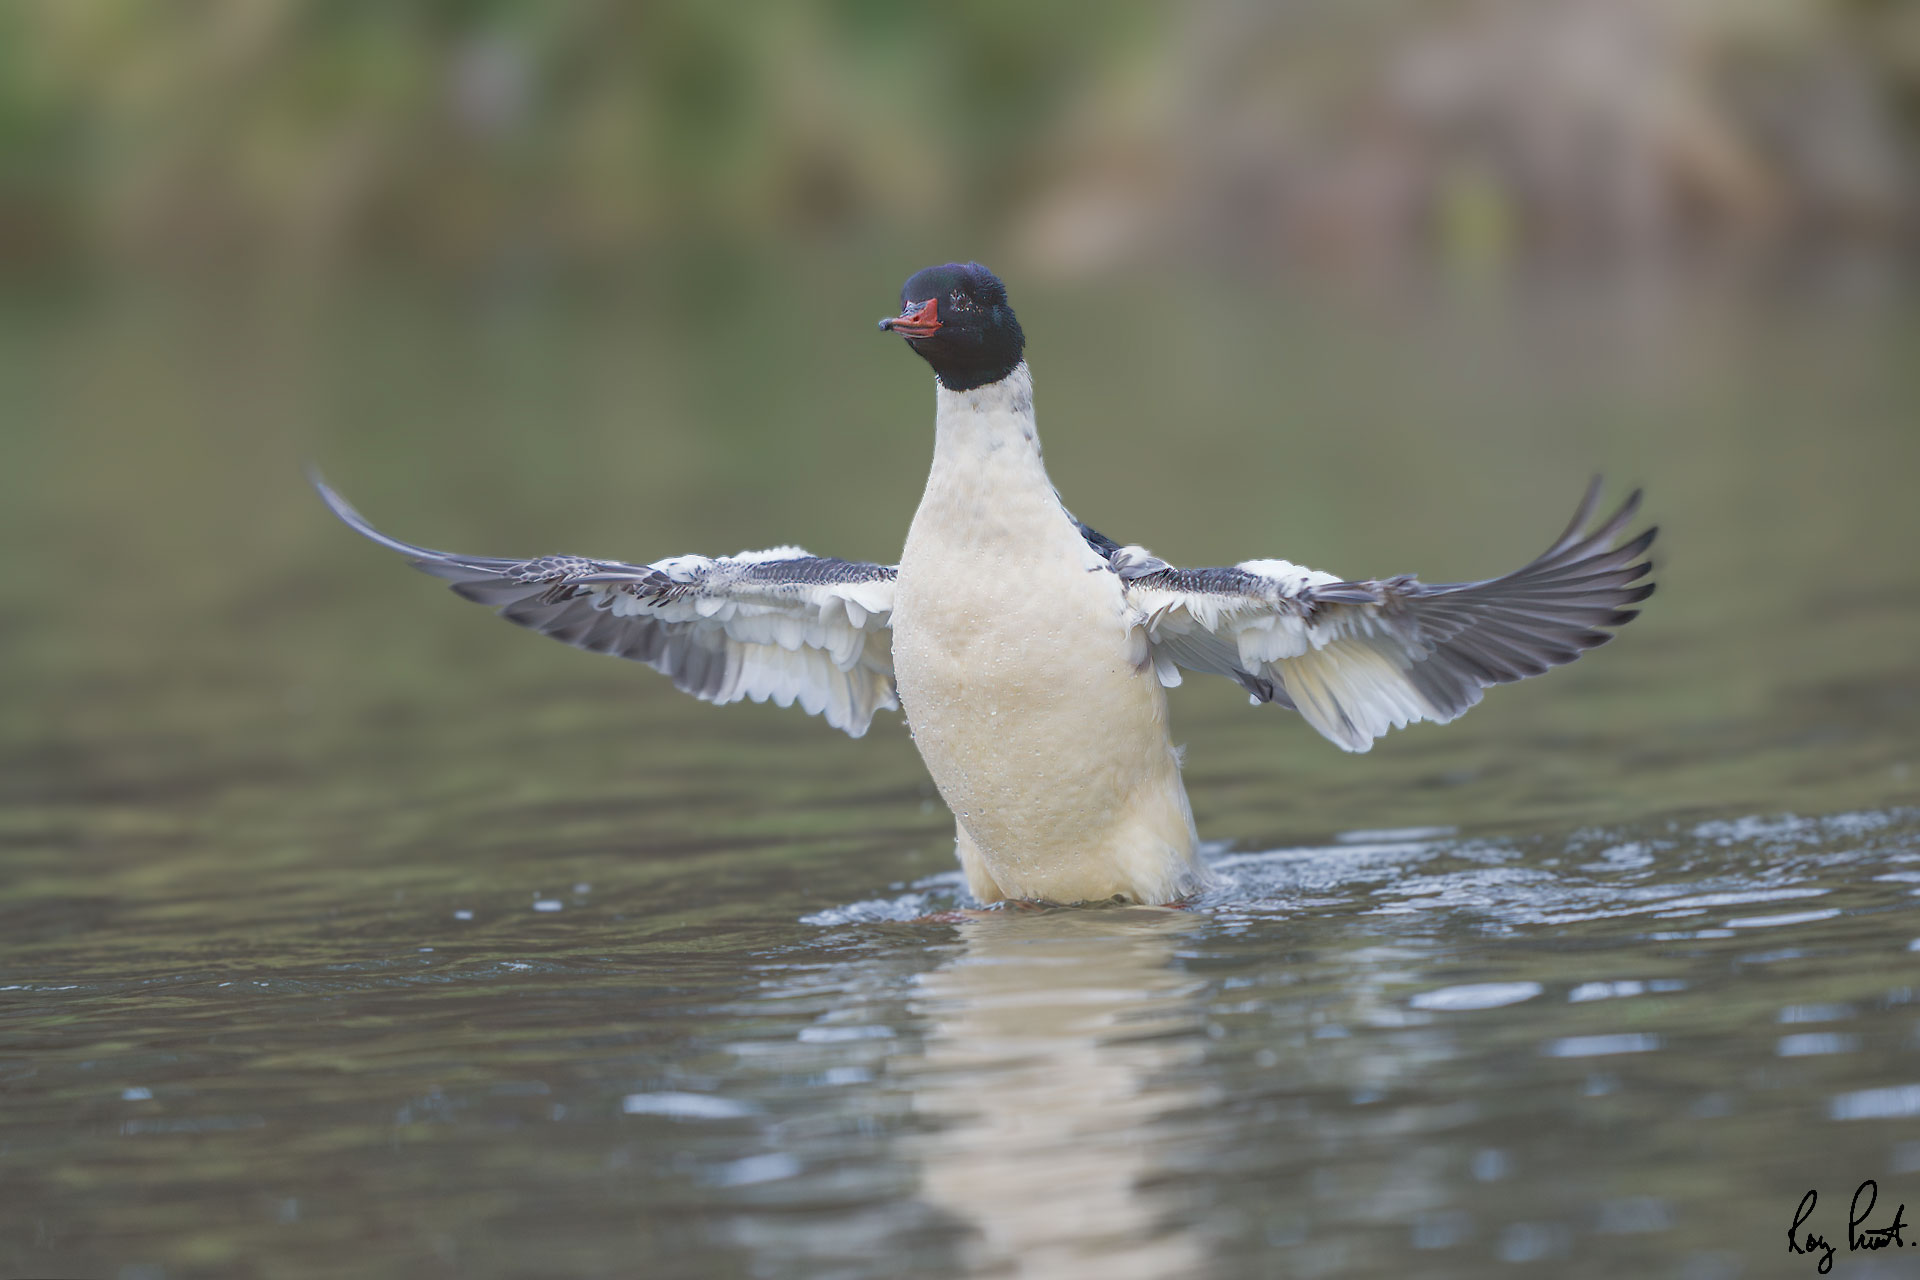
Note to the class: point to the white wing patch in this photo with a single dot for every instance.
(824, 645)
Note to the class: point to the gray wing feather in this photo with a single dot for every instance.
(1357, 658)
(782, 626)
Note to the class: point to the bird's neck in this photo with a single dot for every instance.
(988, 491)
(992, 422)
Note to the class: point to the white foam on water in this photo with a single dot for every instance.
(1389, 835)
(1601, 1046)
(1810, 1043)
(1789, 917)
(684, 1106)
(750, 1170)
(1475, 995)
(1413, 873)
(908, 906)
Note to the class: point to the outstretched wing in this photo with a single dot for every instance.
(1358, 658)
(777, 625)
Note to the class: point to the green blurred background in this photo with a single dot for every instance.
(516, 137)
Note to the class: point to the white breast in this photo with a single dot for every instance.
(1028, 693)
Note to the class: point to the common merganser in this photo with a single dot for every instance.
(1031, 654)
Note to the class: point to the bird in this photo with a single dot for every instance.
(1030, 654)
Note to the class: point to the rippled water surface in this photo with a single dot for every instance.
(347, 931)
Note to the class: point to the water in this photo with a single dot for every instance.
(347, 931)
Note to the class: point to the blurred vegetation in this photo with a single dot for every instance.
(463, 134)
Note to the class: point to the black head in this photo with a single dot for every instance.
(957, 319)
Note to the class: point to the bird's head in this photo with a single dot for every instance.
(956, 318)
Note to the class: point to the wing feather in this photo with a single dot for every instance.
(1358, 658)
(780, 625)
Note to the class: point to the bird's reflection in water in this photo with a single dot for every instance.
(1056, 1041)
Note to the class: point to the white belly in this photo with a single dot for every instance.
(1027, 697)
